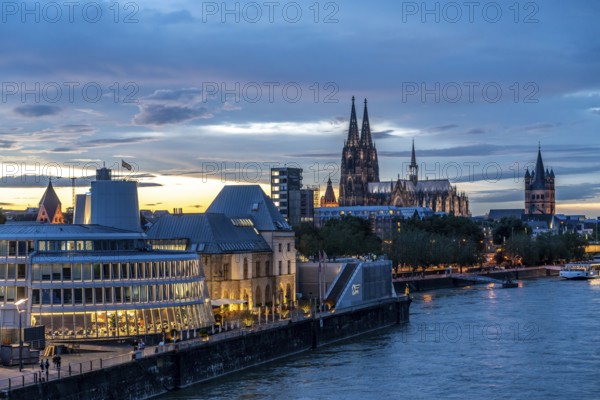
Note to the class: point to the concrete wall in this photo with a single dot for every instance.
(158, 374)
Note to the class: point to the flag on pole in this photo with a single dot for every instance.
(126, 165)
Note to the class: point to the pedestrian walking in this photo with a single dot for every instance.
(47, 365)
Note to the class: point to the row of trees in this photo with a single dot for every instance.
(345, 236)
(417, 243)
(438, 240)
(544, 249)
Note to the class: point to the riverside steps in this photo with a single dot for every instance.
(445, 281)
(181, 364)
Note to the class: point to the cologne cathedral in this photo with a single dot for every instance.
(360, 184)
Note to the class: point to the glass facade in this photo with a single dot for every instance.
(79, 288)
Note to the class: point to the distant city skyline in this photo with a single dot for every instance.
(191, 94)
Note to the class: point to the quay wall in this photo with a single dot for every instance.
(157, 374)
(445, 282)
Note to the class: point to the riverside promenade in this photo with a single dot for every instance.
(116, 371)
(444, 278)
(92, 357)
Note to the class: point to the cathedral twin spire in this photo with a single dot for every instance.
(365, 139)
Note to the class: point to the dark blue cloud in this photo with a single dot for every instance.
(36, 110)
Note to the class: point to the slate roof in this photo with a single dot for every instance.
(39, 230)
(210, 233)
(249, 201)
(498, 214)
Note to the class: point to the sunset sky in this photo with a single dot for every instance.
(195, 95)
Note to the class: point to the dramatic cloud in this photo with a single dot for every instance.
(36, 110)
(160, 114)
(583, 191)
(111, 142)
(151, 106)
(380, 135)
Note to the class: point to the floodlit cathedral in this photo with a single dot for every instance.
(360, 185)
(539, 189)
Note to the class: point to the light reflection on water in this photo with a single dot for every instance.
(540, 341)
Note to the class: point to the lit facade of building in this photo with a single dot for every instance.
(89, 281)
(236, 259)
(251, 202)
(102, 280)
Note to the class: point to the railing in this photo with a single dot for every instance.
(235, 329)
(27, 379)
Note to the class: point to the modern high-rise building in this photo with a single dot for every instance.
(286, 184)
(307, 205)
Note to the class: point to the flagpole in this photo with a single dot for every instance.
(319, 277)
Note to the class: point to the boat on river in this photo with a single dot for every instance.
(584, 270)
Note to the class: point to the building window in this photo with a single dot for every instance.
(258, 268)
(289, 246)
(280, 267)
(225, 271)
(280, 247)
(289, 267)
(245, 268)
(267, 268)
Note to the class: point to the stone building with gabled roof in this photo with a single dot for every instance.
(246, 246)
(50, 209)
(250, 201)
(235, 257)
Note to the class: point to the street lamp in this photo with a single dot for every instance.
(17, 304)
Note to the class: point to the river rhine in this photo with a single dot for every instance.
(539, 341)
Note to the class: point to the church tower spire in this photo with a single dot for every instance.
(413, 169)
(539, 167)
(353, 139)
(540, 189)
(365, 133)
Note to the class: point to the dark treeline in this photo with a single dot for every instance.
(439, 241)
(345, 236)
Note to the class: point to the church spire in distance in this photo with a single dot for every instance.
(539, 167)
(413, 169)
(353, 138)
(365, 132)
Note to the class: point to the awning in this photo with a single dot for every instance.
(223, 302)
